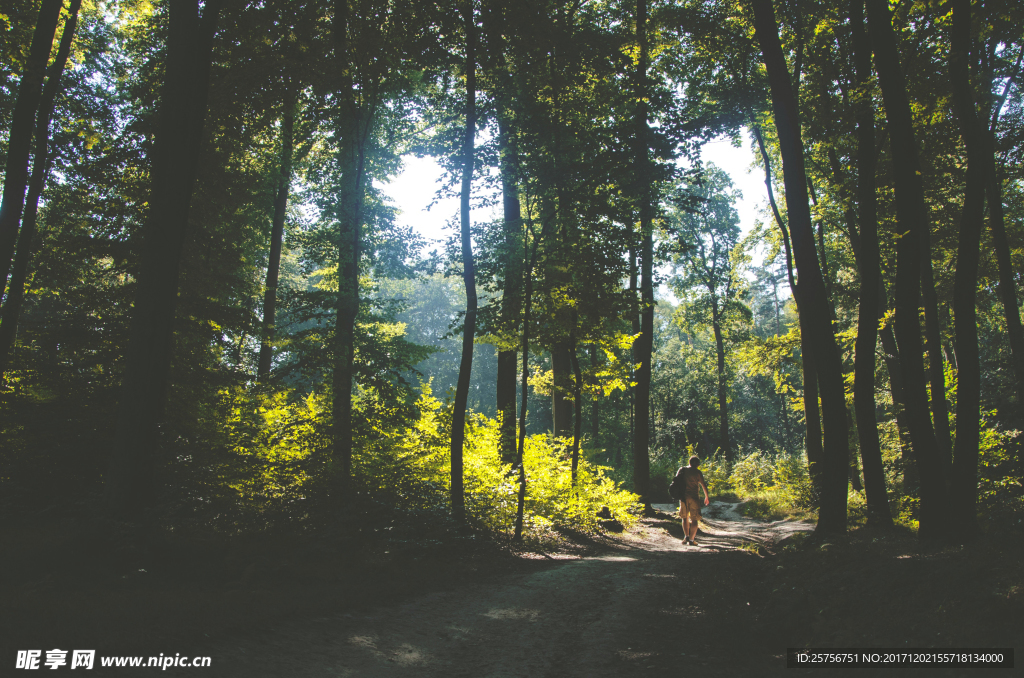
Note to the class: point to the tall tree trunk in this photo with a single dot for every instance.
(468, 272)
(825, 352)
(284, 183)
(562, 389)
(525, 383)
(524, 394)
(912, 216)
(723, 404)
(889, 349)
(870, 278)
(812, 417)
(775, 208)
(511, 302)
(645, 342)
(494, 60)
(349, 230)
(11, 311)
(20, 138)
(353, 124)
(964, 481)
(577, 392)
(890, 353)
(506, 405)
(783, 410)
(634, 323)
(823, 254)
(130, 481)
(595, 406)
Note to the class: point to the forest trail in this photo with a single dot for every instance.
(647, 602)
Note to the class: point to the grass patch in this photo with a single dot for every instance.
(773, 504)
(728, 496)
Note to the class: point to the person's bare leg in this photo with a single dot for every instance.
(685, 516)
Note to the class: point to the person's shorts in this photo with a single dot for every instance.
(690, 506)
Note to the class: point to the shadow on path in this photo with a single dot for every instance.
(650, 602)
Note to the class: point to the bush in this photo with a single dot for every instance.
(276, 467)
(791, 477)
(1000, 476)
(753, 473)
(773, 487)
(716, 475)
(419, 461)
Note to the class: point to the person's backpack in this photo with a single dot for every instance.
(677, 488)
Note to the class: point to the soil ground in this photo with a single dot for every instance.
(640, 603)
(643, 603)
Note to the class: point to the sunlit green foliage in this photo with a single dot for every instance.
(271, 465)
(773, 487)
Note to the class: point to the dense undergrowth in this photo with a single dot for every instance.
(274, 469)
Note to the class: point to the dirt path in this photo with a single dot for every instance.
(650, 603)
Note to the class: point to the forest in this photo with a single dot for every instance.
(214, 322)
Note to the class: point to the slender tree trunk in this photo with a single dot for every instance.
(468, 272)
(350, 225)
(870, 278)
(964, 481)
(353, 125)
(284, 182)
(891, 356)
(493, 61)
(775, 208)
(826, 277)
(131, 482)
(654, 412)
(890, 352)
(524, 388)
(511, 294)
(595, 407)
(561, 394)
(577, 392)
(22, 124)
(506, 405)
(783, 410)
(814, 302)
(11, 312)
(645, 342)
(812, 417)
(525, 383)
(634, 322)
(723, 405)
(912, 216)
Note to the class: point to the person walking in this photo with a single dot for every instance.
(688, 482)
